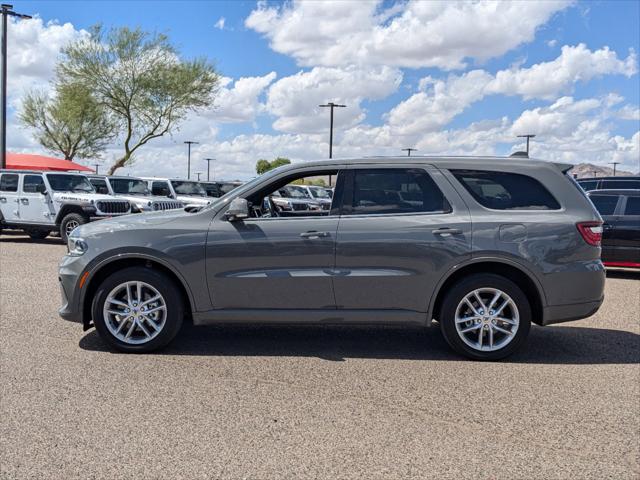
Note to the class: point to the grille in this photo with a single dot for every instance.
(300, 206)
(112, 207)
(326, 206)
(166, 205)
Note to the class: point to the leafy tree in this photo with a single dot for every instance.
(71, 123)
(263, 166)
(140, 80)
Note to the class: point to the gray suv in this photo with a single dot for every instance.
(482, 246)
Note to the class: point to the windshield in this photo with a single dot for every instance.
(188, 188)
(129, 186)
(319, 192)
(293, 191)
(70, 183)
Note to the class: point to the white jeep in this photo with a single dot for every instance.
(43, 202)
(135, 191)
(191, 193)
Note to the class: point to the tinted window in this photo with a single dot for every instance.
(130, 186)
(188, 188)
(160, 188)
(605, 204)
(397, 190)
(589, 185)
(506, 191)
(100, 185)
(212, 189)
(70, 183)
(9, 182)
(620, 184)
(31, 183)
(633, 206)
(227, 187)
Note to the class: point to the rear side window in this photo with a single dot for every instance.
(506, 191)
(619, 184)
(100, 185)
(633, 206)
(395, 190)
(9, 182)
(588, 185)
(31, 183)
(605, 204)
(160, 188)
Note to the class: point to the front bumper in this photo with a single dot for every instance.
(69, 273)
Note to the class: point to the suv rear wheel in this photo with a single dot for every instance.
(485, 317)
(137, 310)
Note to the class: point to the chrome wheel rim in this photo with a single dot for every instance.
(487, 319)
(71, 226)
(135, 312)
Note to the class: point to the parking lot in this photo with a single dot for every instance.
(267, 402)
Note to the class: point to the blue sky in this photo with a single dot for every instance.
(588, 113)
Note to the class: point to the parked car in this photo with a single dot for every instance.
(218, 189)
(620, 210)
(291, 198)
(42, 202)
(493, 245)
(319, 195)
(135, 191)
(190, 193)
(609, 183)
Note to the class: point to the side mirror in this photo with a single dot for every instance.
(238, 209)
(41, 189)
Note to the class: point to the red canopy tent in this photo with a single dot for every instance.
(25, 161)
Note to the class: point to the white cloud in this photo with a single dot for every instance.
(414, 34)
(33, 50)
(240, 103)
(220, 23)
(295, 99)
(628, 112)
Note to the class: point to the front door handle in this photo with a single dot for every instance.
(25, 201)
(3, 199)
(447, 231)
(313, 235)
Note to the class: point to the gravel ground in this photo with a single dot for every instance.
(314, 402)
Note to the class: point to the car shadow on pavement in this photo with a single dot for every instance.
(6, 237)
(624, 274)
(548, 345)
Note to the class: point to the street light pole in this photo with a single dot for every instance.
(614, 167)
(209, 160)
(528, 137)
(189, 143)
(97, 165)
(331, 105)
(6, 11)
(409, 150)
(198, 174)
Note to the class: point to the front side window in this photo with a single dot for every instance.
(9, 182)
(588, 185)
(393, 191)
(605, 204)
(70, 183)
(506, 191)
(188, 188)
(33, 184)
(160, 188)
(100, 185)
(131, 186)
(633, 206)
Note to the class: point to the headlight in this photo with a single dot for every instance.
(76, 246)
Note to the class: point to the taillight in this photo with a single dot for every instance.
(591, 232)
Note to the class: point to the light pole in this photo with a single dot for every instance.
(6, 10)
(209, 160)
(198, 174)
(189, 143)
(614, 167)
(97, 165)
(331, 105)
(409, 150)
(527, 136)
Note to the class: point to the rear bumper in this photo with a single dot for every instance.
(568, 313)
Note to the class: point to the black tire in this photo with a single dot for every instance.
(459, 291)
(68, 218)
(37, 234)
(163, 284)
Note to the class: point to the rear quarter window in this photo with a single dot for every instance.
(505, 190)
(605, 204)
(9, 182)
(633, 206)
(619, 184)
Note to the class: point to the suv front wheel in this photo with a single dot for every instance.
(137, 310)
(485, 317)
(69, 223)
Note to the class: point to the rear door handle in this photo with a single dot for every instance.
(312, 235)
(3, 199)
(447, 231)
(25, 201)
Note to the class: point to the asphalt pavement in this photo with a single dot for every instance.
(310, 402)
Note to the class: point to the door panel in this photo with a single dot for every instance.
(394, 261)
(272, 263)
(34, 206)
(9, 197)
